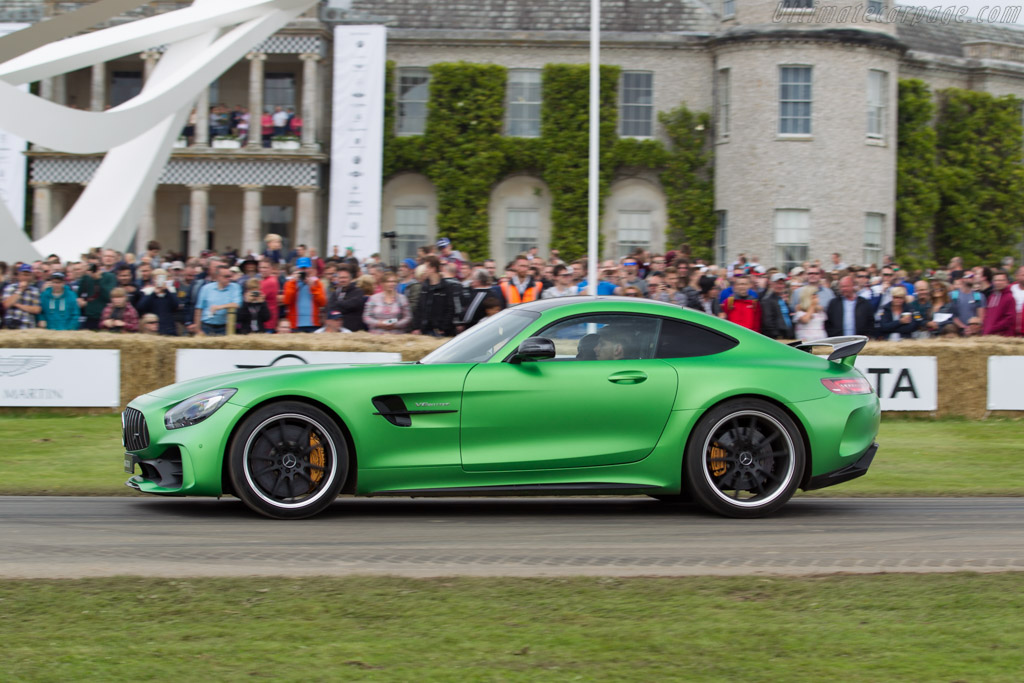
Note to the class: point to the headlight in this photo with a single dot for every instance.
(196, 409)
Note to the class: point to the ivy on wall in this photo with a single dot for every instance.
(917, 194)
(465, 154)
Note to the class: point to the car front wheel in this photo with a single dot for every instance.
(745, 459)
(288, 460)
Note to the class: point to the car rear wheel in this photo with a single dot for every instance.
(288, 460)
(745, 459)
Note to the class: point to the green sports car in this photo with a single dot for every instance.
(582, 395)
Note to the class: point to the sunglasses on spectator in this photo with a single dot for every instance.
(629, 263)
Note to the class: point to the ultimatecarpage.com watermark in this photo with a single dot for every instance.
(805, 12)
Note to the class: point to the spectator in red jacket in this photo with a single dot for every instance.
(741, 307)
(1001, 312)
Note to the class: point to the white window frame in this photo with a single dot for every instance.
(629, 107)
(403, 121)
(728, 9)
(878, 94)
(526, 220)
(722, 92)
(875, 7)
(793, 100)
(625, 247)
(519, 96)
(792, 236)
(407, 242)
(874, 229)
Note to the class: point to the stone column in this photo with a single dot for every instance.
(54, 89)
(149, 59)
(310, 99)
(202, 135)
(147, 226)
(305, 217)
(42, 209)
(256, 60)
(252, 219)
(98, 101)
(198, 214)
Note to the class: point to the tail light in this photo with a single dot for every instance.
(848, 386)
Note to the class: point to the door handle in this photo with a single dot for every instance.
(628, 377)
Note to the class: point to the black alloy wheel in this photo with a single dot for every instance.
(745, 459)
(288, 460)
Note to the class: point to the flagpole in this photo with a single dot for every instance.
(595, 145)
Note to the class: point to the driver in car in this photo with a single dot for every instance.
(615, 344)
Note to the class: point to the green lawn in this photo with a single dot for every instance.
(49, 455)
(939, 627)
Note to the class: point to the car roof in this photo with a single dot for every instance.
(547, 304)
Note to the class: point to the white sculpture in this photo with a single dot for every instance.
(203, 41)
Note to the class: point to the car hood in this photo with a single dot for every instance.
(239, 378)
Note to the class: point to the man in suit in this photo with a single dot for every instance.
(848, 313)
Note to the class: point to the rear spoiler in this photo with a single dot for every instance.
(842, 347)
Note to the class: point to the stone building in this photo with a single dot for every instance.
(803, 97)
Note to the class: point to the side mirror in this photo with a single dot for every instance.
(534, 348)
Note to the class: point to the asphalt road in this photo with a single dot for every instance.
(80, 537)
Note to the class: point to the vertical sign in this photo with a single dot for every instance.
(12, 159)
(357, 147)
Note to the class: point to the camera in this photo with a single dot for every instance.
(391, 321)
(302, 276)
(160, 280)
(93, 267)
(389, 235)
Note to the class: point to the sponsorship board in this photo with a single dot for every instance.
(903, 382)
(194, 363)
(13, 164)
(1005, 381)
(357, 144)
(60, 378)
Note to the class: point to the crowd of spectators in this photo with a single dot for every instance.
(237, 123)
(440, 293)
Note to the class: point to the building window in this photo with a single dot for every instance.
(722, 92)
(277, 220)
(523, 103)
(124, 85)
(522, 231)
(874, 226)
(792, 237)
(794, 100)
(875, 7)
(278, 91)
(798, 4)
(637, 109)
(634, 232)
(411, 227)
(728, 8)
(413, 90)
(721, 237)
(878, 87)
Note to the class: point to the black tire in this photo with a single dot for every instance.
(745, 459)
(288, 460)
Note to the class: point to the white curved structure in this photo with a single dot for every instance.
(203, 41)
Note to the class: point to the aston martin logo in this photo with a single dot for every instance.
(12, 366)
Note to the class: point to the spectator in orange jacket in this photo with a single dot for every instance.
(304, 296)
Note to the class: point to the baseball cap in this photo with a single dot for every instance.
(25, 268)
(334, 315)
(444, 242)
(56, 276)
(177, 265)
(778, 276)
(303, 262)
(410, 263)
(797, 270)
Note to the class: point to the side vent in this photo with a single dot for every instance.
(393, 409)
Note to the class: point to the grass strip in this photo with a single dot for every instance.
(937, 627)
(82, 455)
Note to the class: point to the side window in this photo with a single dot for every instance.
(684, 340)
(604, 337)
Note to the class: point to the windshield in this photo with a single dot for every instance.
(483, 340)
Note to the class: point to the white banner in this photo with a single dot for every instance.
(194, 363)
(1005, 383)
(12, 159)
(357, 146)
(903, 382)
(60, 378)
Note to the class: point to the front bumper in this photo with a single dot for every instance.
(179, 462)
(851, 471)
